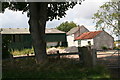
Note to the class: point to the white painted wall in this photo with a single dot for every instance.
(85, 42)
(71, 42)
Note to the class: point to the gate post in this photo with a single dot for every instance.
(94, 56)
(86, 56)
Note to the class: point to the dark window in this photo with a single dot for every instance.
(89, 42)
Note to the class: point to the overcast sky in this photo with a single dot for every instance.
(80, 14)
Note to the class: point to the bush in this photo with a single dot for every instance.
(116, 48)
(104, 47)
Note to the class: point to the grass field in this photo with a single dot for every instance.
(52, 69)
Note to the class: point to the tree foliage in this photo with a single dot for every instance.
(108, 17)
(56, 10)
(66, 26)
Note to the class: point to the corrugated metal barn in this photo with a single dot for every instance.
(20, 38)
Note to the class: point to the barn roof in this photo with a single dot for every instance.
(88, 35)
(26, 30)
(75, 29)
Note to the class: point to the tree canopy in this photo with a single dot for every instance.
(55, 10)
(108, 17)
(66, 26)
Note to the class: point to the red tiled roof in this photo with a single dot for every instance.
(88, 35)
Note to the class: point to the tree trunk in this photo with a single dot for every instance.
(37, 23)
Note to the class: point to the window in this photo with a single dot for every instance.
(89, 43)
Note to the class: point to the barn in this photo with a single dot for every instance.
(20, 38)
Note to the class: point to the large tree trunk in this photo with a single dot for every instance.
(37, 22)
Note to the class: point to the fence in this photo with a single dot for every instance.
(87, 56)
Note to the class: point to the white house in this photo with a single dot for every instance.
(73, 33)
(96, 39)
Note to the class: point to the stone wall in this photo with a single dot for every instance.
(103, 39)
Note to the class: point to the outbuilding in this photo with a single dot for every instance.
(73, 33)
(96, 39)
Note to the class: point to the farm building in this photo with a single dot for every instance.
(96, 39)
(20, 38)
(73, 33)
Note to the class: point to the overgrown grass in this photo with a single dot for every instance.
(57, 69)
(26, 51)
(22, 52)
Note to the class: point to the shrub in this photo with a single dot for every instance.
(116, 48)
(104, 47)
(22, 52)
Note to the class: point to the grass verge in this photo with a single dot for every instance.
(54, 69)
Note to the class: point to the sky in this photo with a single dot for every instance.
(80, 14)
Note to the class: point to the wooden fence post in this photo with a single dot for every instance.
(94, 56)
(80, 55)
(86, 56)
(58, 55)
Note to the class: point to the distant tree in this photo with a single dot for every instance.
(108, 17)
(66, 26)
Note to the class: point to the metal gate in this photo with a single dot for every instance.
(110, 58)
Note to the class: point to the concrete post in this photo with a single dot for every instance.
(94, 56)
(86, 56)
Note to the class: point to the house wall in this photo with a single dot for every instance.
(71, 38)
(103, 39)
(71, 42)
(85, 42)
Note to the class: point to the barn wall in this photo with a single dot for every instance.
(24, 40)
(58, 37)
(103, 39)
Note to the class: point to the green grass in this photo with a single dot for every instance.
(57, 69)
(22, 52)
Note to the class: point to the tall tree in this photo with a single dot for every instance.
(66, 26)
(108, 17)
(39, 13)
